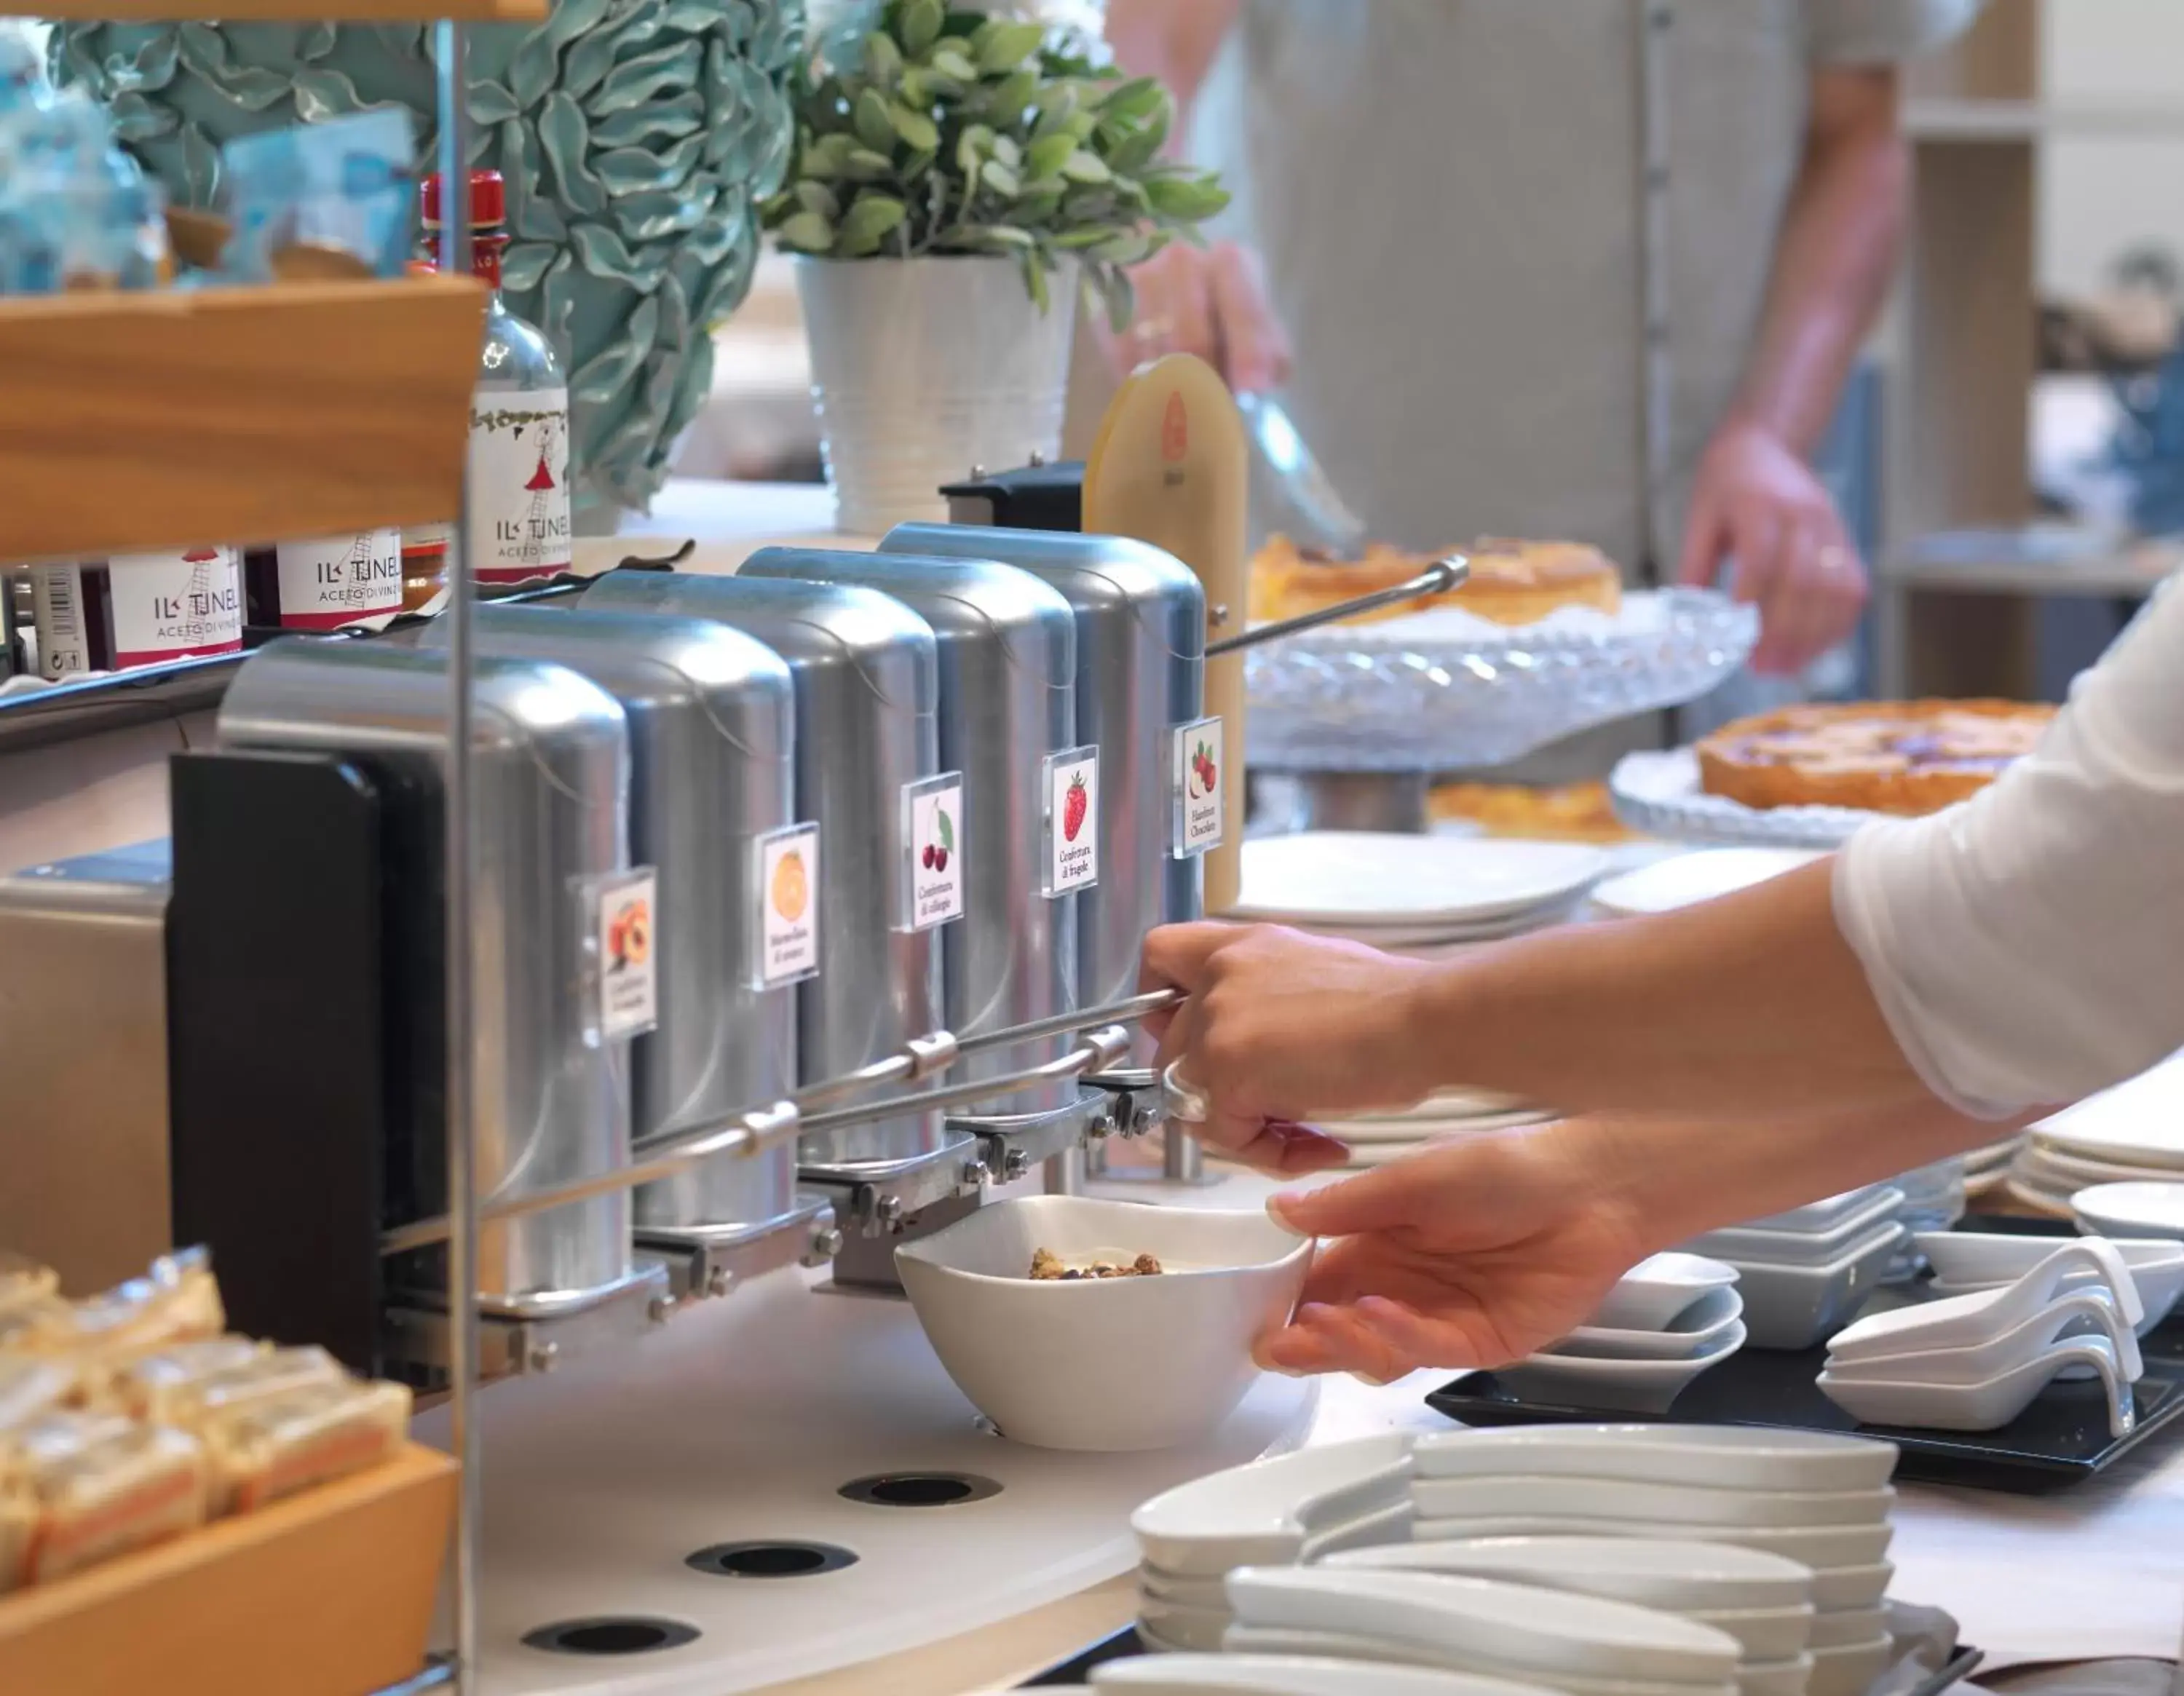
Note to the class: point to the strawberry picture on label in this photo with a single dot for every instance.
(1073, 807)
(1203, 772)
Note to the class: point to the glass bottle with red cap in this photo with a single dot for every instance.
(519, 452)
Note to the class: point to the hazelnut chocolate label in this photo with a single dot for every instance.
(1072, 832)
(788, 905)
(629, 969)
(518, 484)
(1200, 815)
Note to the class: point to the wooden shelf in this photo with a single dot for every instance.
(133, 422)
(2031, 120)
(2031, 562)
(301, 11)
(323, 1594)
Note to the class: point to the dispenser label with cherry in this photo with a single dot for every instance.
(518, 465)
(933, 842)
(1199, 813)
(629, 954)
(1071, 789)
(787, 899)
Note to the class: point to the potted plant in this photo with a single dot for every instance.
(960, 178)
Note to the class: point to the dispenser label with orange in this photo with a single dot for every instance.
(787, 903)
(1201, 770)
(627, 915)
(1071, 785)
(932, 851)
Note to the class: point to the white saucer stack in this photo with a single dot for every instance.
(2133, 1133)
(1975, 1362)
(1669, 1318)
(1414, 894)
(1804, 1273)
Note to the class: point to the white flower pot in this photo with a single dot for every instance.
(924, 368)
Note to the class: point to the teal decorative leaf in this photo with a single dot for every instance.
(531, 71)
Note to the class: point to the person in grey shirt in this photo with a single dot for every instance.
(1453, 220)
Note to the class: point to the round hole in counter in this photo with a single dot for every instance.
(612, 1635)
(783, 1559)
(920, 1489)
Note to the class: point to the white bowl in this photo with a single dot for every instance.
(1282, 1640)
(1502, 1627)
(1273, 1674)
(1766, 1634)
(1837, 1589)
(1622, 1386)
(1180, 1626)
(1849, 1671)
(1697, 1328)
(1797, 1246)
(1695, 1505)
(1819, 1547)
(1794, 1307)
(2087, 1312)
(1986, 1406)
(1968, 1322)
(1689, 878)
(2133, 1209)
(1774, 1678)
(1652, 1293)
(1821, 1216)
(1110, 1363)
(1721, 1456)
(1849, 1626)
(1677, 1577)
(1264, 1513)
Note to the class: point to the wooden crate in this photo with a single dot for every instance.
(177, 418)
(328, 1593)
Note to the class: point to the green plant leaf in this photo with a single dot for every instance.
(805, 232)
(816, 196)
(882, 58)
(919, 24)
(1082, 166)
(1055, 104)
(1005, 45)
(1044, 157)
(1034, 276)
(864, 165)
(1010, 98)
(914, 128)
(872, 215)
(1007, 152)
(826, 157)
(875, 126)
(1000, 178)
(947, 829)
(916, 87)
(951, 63)
(1186, 199)
(1139, 98)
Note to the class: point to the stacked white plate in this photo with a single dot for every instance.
(1415, 893)
(1804, 1274)
(2133, 1133)
(1986, 1168)
(1377, 1139)
(1670, 1318)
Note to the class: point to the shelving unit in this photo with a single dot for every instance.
(1956, 615)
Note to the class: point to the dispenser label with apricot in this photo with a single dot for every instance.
(788, 896)
(1071, 789)
(1201, 759)
(629, 954)
(932, 845)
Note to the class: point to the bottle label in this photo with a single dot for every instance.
(1071, 781)
(173, 606)
(338, 580)
(518, 465)
(58, 616)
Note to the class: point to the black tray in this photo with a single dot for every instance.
(2062, 1439)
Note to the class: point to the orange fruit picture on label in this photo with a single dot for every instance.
(1175, 430)
(792, 886)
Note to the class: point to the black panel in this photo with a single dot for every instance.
(276, 1026)
(1035, 497)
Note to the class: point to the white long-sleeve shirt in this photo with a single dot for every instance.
(2027, 947)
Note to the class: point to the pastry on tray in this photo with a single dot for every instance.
(1564, 812)
(1511, 582)
(1879, 756)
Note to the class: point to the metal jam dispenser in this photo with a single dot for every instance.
(711, 723)
(866, 674)
(998, 883)
(551, 770)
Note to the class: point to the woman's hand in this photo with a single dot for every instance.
(1280, 1027)
(1208, 301)
(1473, 1253)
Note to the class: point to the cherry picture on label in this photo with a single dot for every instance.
(1204, 772)
(934, 855)
(1073, 807)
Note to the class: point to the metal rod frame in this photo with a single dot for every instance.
(1437, 579)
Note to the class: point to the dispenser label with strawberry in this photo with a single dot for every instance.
(1198, 812)
(787, 901)
(933, 848)
(629, 954)
(1072, 788)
